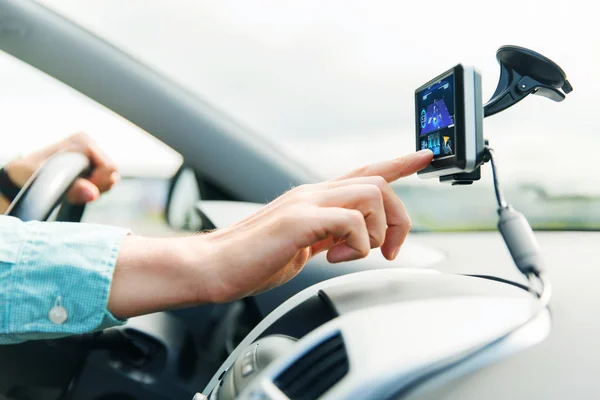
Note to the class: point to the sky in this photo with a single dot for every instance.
(331, 82)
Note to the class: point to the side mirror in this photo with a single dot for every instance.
(184, 194)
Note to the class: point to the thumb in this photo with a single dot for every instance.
(392, 170)
(82, 191)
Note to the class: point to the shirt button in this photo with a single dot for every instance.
(58, 315)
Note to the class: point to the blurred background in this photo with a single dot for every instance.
(331, 84)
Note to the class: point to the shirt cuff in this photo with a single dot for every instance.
(61, 281)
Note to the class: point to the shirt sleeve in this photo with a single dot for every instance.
(55, 278)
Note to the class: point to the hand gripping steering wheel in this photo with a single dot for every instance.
(48, 187)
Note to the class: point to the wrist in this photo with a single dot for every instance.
(195, 262)
(200, 261)
(155, 274)
(9, 186)
(20, 170)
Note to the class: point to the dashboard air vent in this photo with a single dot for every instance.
(315, 372)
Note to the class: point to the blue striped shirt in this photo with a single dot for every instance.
(45, 265)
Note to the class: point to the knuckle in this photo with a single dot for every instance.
(79, 141)
(80, 137)
(363, 252)
(362, 171)
(373, 193)
(407, 222)
(376, 239)
(356, 217)
(379, 181)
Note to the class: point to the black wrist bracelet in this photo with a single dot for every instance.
(7, 186)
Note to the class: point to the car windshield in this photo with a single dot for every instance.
(331, 83)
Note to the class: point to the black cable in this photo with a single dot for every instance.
(531, 288)
(490, 155)
(546, 290)
(519, 239)
(502, 280)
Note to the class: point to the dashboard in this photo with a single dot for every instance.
(561, 366)
(564, 364)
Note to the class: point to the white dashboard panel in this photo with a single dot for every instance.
(391, 346)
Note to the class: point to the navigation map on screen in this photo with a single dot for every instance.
(436, 117)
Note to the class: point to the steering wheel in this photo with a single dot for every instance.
(47, 188)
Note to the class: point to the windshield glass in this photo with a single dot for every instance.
(332, 84)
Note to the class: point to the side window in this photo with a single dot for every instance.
(36, 110)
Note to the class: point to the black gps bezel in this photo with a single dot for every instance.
(458, 160)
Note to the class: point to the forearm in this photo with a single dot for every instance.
(154, 274)
(96, 276)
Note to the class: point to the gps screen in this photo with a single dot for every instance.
(436, 117)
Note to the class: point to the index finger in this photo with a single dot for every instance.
(392, 170)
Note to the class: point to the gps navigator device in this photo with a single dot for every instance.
(449, 121)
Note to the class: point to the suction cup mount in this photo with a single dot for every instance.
(522, 72)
